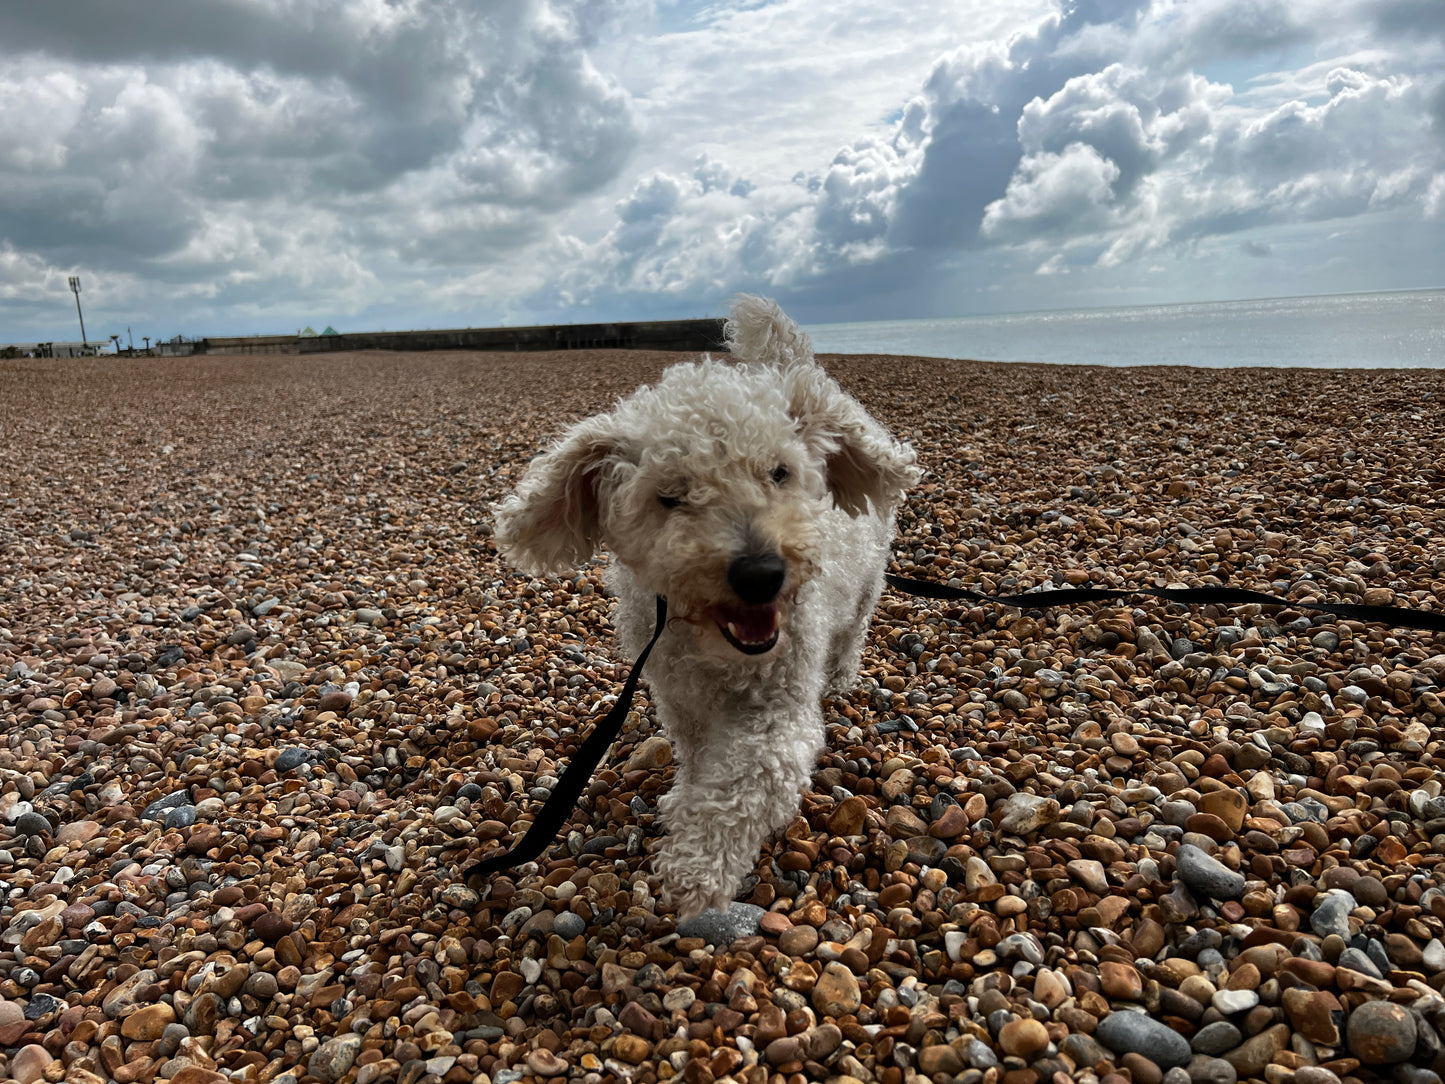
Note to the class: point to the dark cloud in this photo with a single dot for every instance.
(1408, 18)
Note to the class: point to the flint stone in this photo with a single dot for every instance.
(723, 927)
(158, 809)
(1332, 914)
(1207, 876)
(1132, 1032)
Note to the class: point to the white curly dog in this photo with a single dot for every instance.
(757, 497)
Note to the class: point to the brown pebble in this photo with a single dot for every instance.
(1023, 1038)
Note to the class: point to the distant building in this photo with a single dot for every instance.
(52, 349)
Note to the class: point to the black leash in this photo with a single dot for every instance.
(1395, 617)
(563, 799)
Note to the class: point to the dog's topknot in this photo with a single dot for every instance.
(757, 330)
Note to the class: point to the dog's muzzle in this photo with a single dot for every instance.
(752, 626)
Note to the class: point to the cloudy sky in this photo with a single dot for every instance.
(244, 166)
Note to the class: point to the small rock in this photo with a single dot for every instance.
(652, 754)
(1216, 1038)
(1315, 1014)
(1332, 913)
(940, 1058)
(567, 925)
(1023, 1038)
(27, 1065)
(337, 700)
(1250, 1057)
(836, 992)
(1023, 814)
(271, 927)
(148, 1022)
(1232, 1001)
(1203, 1069)
(1381, 1033)
(157, 810)
(723, 927)
(291, 758)
(333, 1058)
(1206, 875)
(545, 1063)
(849, 816)
(631, 1048)
(1124, 1032)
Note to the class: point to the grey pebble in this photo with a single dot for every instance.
(292, 757)
(182, 816)
(1203, 1069)
(568, 925)
(1126, 1032)
(1205, 875)
(41, 1005)
(723, 927)
(158, 809)
(1216, 1038)
(32, 824)
(1356, 960)
(979, 1055)
(1332, 913)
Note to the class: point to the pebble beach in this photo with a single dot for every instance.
(266, 691)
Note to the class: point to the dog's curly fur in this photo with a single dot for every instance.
(724, 460)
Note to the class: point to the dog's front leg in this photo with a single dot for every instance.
(742, 782)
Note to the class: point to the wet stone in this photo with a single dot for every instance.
(723, 927)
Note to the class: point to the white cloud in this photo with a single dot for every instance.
(1051, 190)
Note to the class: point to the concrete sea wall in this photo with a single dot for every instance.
(688, 335)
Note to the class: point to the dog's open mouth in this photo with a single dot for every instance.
(751, 629)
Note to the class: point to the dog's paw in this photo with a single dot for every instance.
(690, 887)
(690, 900)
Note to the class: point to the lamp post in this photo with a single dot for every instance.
(75, 289)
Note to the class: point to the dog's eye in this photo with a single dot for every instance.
(779, 475)
(668, 502)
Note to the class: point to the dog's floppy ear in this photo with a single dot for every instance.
(864, 464)
(553, 521)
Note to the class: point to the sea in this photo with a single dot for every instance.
(1403, 329)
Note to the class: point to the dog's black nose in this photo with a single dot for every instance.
(757, 577)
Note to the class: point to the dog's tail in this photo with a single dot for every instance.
(758, 331)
